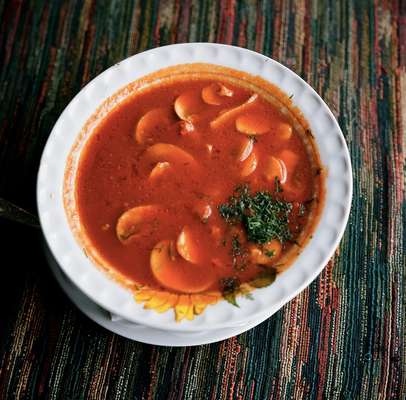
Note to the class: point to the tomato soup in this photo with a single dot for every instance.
(199, 181)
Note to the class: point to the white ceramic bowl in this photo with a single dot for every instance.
(118, 300)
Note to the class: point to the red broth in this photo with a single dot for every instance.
(175, 237)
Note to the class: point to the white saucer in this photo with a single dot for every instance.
(134, 331)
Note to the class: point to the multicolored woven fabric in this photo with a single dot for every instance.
(344, 336)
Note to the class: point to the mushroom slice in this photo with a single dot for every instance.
(275, 168)
(159, 169)
(187, 246)
(174, 273)
(295, 189)
(273, 247)
(249, 165)
(131, 222)
(209, 148)
(186, 128)
(203, 210)
(149, 123)
(188, 104)
(214, 94)
(233, 112)
(267, 254)
(290, 159)
(245, 148)
(160, 152)
(253, 124)
(284, 131)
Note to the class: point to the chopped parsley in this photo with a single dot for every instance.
(248, 296)
(270, 253)
(229, 284)
(263, 217)
(229, 289)
(238, 253)
(236, 246)
(278, 188)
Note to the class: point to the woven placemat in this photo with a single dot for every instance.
(344, 336)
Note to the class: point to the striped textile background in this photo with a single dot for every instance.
(344, 336)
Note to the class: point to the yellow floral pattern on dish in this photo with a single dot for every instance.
(185, 306)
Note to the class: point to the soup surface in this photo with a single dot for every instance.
(198, 184)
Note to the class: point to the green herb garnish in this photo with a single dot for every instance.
(239, 254)
(229, 289)
(236, 246)
(264, 278)
(270, 253)
(278, 187)
(229, 284)
(248, 296)
(263, 217)
(302, 210)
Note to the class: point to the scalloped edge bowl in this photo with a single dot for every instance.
(119, 300)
